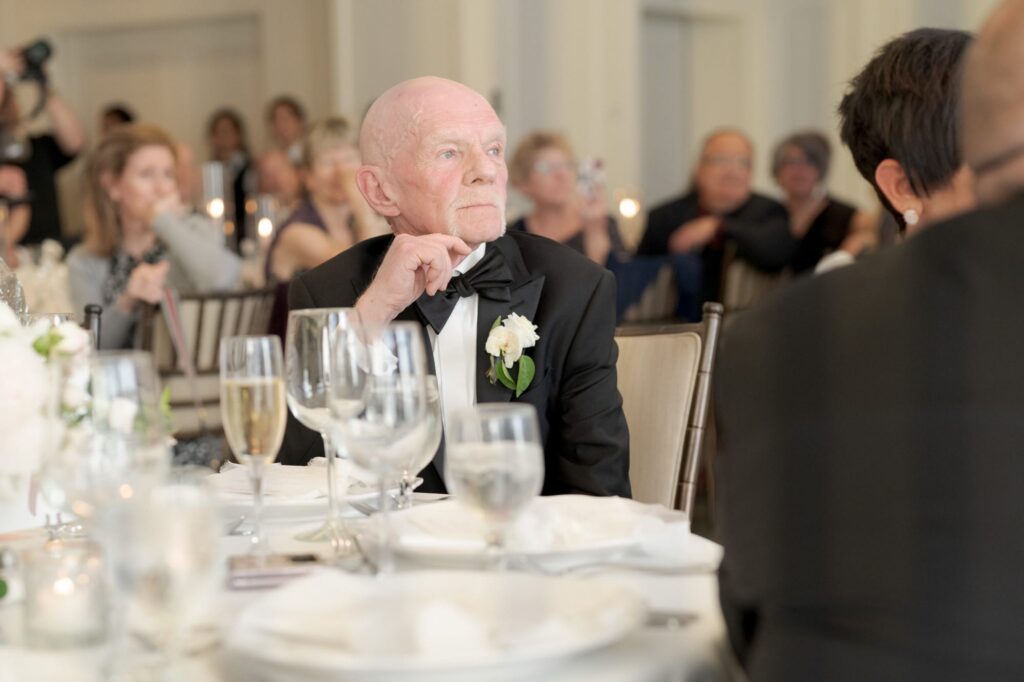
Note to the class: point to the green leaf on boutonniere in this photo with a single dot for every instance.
(45, 344)
(504, 377)
(526, 371)
(497, 322)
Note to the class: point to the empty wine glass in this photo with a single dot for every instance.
(107, 430)
(378, 401)
(494, 464)
(423, 456)
(308, 372)
(252, 403)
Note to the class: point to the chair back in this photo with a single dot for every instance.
(744, 285)
(664, 375)
(206, 318)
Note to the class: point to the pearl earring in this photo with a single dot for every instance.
(910, 217)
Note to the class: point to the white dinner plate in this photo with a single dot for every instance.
(430, 622)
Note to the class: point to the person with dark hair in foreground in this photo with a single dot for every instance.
(900, 121)
(869, 422)
(433, 164)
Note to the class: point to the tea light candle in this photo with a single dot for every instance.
(65, 597)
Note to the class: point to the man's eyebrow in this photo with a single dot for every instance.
(453, 137)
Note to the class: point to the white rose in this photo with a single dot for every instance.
(73, 339)
(504, 343)
(24, 394)
(523, 328)
(122, 415)
(9, 322)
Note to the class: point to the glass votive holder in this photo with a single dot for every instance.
(65, 594)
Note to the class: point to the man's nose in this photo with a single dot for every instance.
(481, 168)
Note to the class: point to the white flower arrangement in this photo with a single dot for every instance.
(26, 354)
(505, 344)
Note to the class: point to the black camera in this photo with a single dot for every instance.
(35, 55)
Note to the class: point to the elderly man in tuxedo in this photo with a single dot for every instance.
(433, 155)
(871, 422)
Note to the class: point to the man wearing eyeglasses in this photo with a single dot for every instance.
(720, 213)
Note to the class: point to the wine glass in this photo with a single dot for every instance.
(494, 464)
(252, 403)
(107, 431)
(162, 547)
(308, 372)
(379, 404)
(421, 457)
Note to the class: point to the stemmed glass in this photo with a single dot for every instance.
(252, 403)
(107, 431)
(494, 464)
(421, 457)
(379, 404)
(308, 372)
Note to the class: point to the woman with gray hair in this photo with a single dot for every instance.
(820, 222)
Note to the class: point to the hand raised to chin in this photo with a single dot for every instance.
(412, 265)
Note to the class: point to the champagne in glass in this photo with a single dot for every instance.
(494, 464)
(252, 401)
(308, 371)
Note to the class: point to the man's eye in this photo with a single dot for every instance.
(495, 151)
(448, 154)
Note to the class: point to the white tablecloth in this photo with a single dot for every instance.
(697, 651)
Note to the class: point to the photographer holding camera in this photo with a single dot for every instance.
(38, 156)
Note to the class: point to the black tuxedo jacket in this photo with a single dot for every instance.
(575, 391)
(871, 474)
(759, 229)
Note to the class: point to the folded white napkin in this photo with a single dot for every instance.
(282, 481)
(561, 523)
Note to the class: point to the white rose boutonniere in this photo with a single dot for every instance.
(505, 343)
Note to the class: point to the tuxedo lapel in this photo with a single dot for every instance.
(525, 293)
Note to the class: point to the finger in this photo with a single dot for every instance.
(452, 244)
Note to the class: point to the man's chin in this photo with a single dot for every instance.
(479, 234)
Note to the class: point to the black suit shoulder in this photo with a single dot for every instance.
(340, 280)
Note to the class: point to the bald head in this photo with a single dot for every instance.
(434, 161)
(395, 118)
(993, 102)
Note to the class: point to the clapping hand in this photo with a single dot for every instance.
(413, 265)
(694, 234)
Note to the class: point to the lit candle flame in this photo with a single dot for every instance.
(264, 227)
(64, 586)
(215, 208)
(629, 207)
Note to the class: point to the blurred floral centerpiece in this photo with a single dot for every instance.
(29, 356)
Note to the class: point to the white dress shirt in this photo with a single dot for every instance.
(455, 349)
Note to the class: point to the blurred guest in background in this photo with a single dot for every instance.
(820, 222)
(225, 134)
(720, 211)
(39, 156)
(287, 120)
(13, 190)
(333, 217)
(139, 236)
(115, 115)
(279, 177)
(900, 121)
(544, 169)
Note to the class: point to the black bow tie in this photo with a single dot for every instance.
(489, 278)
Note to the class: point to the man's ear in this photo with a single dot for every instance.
(377, 191)
(895, 185)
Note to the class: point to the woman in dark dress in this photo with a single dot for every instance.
(574, 213)
(822, 223)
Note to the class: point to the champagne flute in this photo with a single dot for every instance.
(308, 372)
(494, 464)
(379, 403)
(421, 457)
(252, 403)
